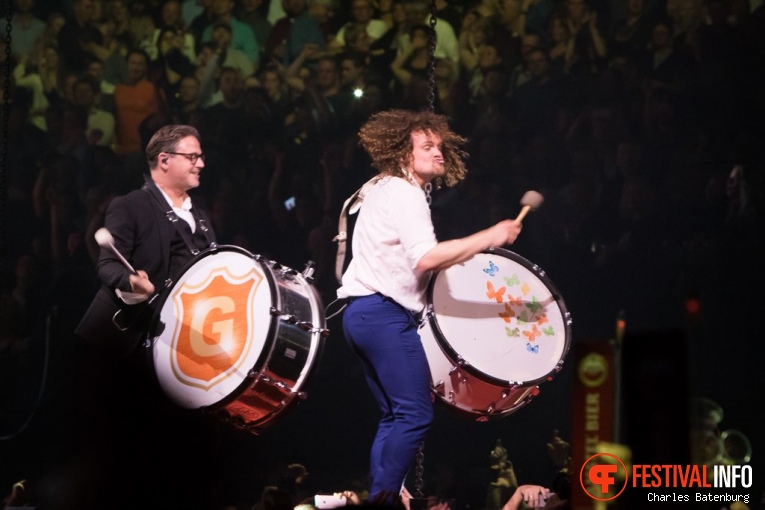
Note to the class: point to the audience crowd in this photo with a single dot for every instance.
(639, 121)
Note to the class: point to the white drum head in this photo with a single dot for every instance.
(216, 320)
(501, 317)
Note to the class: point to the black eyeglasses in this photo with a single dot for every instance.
(193, 157)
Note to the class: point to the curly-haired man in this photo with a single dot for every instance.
(394, 252)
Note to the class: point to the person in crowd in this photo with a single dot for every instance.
(394, 250)
(100, 127)
(242, 35)
(171, 64)
(134, 102)
(447, 46)
(227, 55)
(292, 33)
(118, 14)
(249, 11)
(26, 28)
(588, 45)
(631, 35)
(79, 38)
(363, 16)
(557, 47)
(95, 70)
(187, 108)
(171, 17)
(476, 31)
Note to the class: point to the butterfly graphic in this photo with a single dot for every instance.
(492, 269)
(523, 318)
(532, 348)
(549, 331)
(535, 305)
(525, 288)
(543, 319)
(494, 294)
(507, 314)
(533, 334)
(515, 332)
(515, 301)
(513, 280)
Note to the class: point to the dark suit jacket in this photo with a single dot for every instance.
(142, 234)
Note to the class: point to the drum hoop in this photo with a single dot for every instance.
(452, 353)
(268, 347)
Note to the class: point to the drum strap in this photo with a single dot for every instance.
(351, 206)
(150, 188)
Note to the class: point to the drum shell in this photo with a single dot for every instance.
(496, 327)
(465, 393)
(279, 319)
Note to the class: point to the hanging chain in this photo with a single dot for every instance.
(419, 487)
(6, 122)
(432, 57)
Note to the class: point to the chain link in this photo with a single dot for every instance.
(5, 128)
(419, 486)
(432, 57)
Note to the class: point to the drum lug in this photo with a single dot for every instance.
(439, 385)
(310, 269)
(307, 326)
(302, 395)
(288, 271)
(273, 382)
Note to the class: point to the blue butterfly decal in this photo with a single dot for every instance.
(532, 348)
(492, 269)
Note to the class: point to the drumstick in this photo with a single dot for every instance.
(105, 240)
(531, 201)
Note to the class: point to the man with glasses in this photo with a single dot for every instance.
(146, 232)
(158, 229)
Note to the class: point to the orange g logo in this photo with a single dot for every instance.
(212, 337)
(602, 472)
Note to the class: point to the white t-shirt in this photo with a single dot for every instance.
(392, 233)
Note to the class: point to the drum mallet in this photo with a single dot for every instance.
(531, 201)
(105, 240)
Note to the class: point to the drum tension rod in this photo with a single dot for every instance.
(304, 325)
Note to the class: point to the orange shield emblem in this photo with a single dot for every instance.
(213, 336)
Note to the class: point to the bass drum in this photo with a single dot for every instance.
(496, 327)
(237, 335)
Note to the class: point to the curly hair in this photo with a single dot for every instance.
(387, 138)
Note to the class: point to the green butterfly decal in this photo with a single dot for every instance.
(523, 318)
(535, 305)
(549, 331)
(514, 280)
(512, 332)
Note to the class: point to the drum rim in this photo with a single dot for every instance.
(452, 354)
(264, 356)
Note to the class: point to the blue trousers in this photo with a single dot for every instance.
(384, 335)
